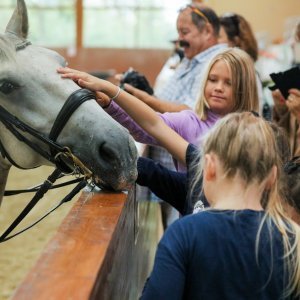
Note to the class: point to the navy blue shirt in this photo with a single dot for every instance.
(211, 255)
(171, 186)
(168, 185)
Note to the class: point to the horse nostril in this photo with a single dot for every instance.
(106, 153)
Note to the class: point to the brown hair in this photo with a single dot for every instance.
(240, 34)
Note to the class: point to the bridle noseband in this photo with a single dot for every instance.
(60, 156)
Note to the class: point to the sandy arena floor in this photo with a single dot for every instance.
(19, 254)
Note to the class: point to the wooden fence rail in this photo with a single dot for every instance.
(103, 249)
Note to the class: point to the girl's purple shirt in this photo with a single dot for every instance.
(186, 123)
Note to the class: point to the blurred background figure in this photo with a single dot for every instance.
(169, 67)
(236, 31)
(296, 46)
(286, 112)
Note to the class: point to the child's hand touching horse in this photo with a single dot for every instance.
(102, 88)
(141, 113)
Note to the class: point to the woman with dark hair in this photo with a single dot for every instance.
(236, 32)
(286, 112)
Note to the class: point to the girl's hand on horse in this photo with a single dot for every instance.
(103, 89)
(102, 99)
(86, 80)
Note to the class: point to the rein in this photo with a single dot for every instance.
(8, 193)
(61, 157)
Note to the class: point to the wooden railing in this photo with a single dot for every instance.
(103, 249)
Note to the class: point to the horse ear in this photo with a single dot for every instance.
(18, 23)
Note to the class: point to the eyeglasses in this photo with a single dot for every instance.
(196, 11)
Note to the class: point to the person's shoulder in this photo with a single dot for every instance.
(210, 52)
(212, 117)
(194, 125)
(190, 113)
(203, 126)
(215, 216)
(185, 116)
(198, 226)
(205, 220)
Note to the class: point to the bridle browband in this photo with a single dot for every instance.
(61, 157)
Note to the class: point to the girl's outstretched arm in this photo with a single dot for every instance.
(141, 113)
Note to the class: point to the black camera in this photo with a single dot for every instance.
(286, 80)
(137, 80)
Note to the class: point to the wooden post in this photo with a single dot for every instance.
(79, 24)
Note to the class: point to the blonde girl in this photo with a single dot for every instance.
(242, 80)
(244, 247)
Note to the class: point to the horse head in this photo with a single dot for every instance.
(32, 91)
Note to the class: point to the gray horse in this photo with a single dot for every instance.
(32, 91)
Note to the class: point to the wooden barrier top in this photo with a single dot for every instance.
(104, 249)
(71, 261)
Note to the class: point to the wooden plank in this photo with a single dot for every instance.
(74, 256)
(104, 249)
(130, 255)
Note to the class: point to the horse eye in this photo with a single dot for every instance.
(7, 87)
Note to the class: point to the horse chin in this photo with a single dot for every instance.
(116, 185)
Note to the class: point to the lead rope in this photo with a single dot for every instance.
(67, 198)
(79, 168)
(39, 194)
(8, 193)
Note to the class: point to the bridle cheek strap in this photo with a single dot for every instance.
(73, 102)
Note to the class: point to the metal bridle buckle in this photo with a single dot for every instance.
(79, 167)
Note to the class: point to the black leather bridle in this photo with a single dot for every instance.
(58, 155)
